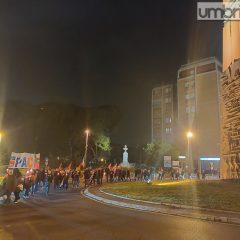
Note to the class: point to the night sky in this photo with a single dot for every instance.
(99, 52)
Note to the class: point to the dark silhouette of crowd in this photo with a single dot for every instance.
(40, 181)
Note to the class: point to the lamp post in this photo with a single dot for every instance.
(0, 143)
(189, 150)
(87, 131)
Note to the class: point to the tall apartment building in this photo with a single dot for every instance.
(198, 109)
(163, 114)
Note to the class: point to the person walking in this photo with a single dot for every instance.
(87, 175)
(19, 187)
(27, 184)
(65, 181)
(9, 185)
(47, 181)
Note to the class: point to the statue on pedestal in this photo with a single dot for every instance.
(125, 157)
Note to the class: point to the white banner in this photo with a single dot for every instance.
(24, 160)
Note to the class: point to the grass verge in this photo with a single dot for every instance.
(1, 178)
(223, 195)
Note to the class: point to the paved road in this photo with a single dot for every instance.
(71, 216)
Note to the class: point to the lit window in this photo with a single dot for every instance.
(167, 100)
(189, 84)
(167, 90)
(168, 130)
(190, 96)
(168, 119)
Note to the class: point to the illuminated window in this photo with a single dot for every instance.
(168, 130)
(168, 120)
(190, 96)
(190, 109)
(167, 100)
(189, 84)
(167, 90)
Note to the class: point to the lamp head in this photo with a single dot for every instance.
(189, 134)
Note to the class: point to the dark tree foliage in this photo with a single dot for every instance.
(55, 130)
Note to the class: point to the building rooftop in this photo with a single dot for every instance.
(200, 62)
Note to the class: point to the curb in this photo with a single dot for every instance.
(175, 205)
(158, 210)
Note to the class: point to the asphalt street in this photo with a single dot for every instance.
(71, 216)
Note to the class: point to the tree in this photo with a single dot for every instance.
(57, 129)
(100, 142)
(103, 142)
(157, 150)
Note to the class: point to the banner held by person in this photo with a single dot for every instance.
(24, 160)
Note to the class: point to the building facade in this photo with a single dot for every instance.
(230, 100)
(199, 111)
(163, 114)
(230, 122)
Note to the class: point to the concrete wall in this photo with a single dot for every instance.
(230, 122)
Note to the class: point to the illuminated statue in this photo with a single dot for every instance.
(125, 156)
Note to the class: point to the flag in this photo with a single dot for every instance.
(69, 166)
(115, 168)
(60, 166)
(37, 165)
(80, 166)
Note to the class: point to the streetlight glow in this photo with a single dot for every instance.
(189, 134)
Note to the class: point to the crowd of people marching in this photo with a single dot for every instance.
(33, 181)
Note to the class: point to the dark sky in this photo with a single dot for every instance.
(98, 52)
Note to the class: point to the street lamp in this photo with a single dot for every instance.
(0, 142)
(87, 132)
(189, 149)
(189, 135)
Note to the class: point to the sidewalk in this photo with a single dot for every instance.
(173, 209)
